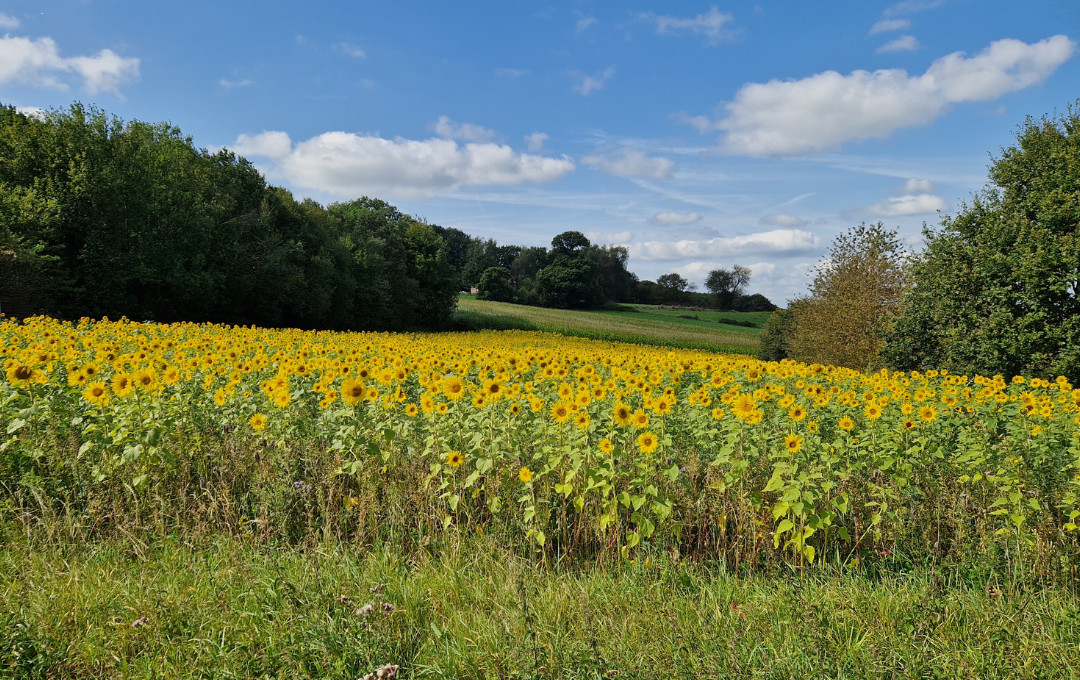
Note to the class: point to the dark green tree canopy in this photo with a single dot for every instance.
(997, 289)
(496, 285)
(130, 219)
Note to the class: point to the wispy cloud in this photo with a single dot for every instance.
(583, 22)
(711, 24)
(463, 132)
(586, 84)
(782, 220)
(8, 22)
(912, 6)
(351, 50)
(776, 241)
(905, 43)
(511, 72)
(887, 25)
(535, 141)
(236, 83)
(668, 217)
(631, 162)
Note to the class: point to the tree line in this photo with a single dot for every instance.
(575, 273)
(104, 218)
(99, 217)
(996, 290)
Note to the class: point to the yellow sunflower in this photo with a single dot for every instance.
(647, 442)
(96, 393)
(352, 391)
(257, 422)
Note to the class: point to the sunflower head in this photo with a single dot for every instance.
(647, 442)
(257, 422)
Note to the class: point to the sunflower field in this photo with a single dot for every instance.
(558, 445)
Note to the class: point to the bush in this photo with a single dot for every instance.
(776, 335)
(851, 300)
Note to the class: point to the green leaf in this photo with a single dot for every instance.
(784, 526)
(809, 552)
(775, 482)
(15, 425)
(646, 527)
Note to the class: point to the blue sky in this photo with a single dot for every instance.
(697, 134)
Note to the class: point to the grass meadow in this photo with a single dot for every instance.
(646, 325)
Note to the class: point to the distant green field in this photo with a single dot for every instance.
(648, 324)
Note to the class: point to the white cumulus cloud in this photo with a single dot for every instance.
(776, 241)
(823, 111)
(463, 132)
(709, 24)
(587, 84)
(8, 22)
(669, 217)
(38, 63)
(350, 165)
(905, 43)
(32, 111)
(630, 162)
(887, 25)
(271, 144)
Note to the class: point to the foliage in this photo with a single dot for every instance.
(616, 282)
(496, 285)
(566, 447)
(752, 303)
(571, 280)
(130, 219)
(776, 334)
(998, 287)
(727, 284)
(851, 300)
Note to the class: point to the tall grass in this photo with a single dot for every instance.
(467, 609)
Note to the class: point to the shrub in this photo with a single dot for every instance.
(852, 298)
